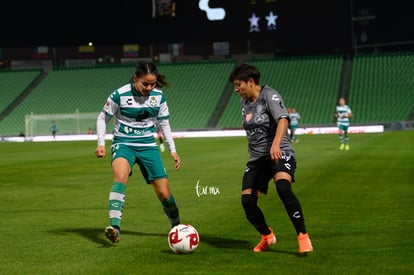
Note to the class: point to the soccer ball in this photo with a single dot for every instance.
(183, 239)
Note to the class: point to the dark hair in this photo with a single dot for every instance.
(147, 67)
(245, 71)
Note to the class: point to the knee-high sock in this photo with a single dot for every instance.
(116, 203)
(292, 205)
(171, 210)
(341, 139)
(254, 214)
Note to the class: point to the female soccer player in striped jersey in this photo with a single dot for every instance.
(342, 115)
(294, 117)
(137, 107)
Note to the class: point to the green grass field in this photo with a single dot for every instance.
(358, 207)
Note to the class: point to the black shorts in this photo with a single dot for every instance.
(258, 173)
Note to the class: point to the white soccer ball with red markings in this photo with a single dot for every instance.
(183, 239)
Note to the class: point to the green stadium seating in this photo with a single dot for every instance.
(13, 83)
(65, 91)
(309, 84)
(382, 88)
(197, 89)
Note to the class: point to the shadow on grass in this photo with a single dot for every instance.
(227, 243)
(96, 236)
(224, 242)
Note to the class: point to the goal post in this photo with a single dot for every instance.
(67, 124)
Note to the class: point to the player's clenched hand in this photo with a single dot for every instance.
(100, 151)
(177, 160)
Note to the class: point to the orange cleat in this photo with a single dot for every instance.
(305, 244)
(266, 241)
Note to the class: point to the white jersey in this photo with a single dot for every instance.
(136, 117)
(342, 113)
(294, 119)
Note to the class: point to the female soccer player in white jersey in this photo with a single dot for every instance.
(271, 156)
(343, 114)
(294, 117)
(137, 108)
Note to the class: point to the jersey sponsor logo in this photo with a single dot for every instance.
(133, 131)
(275, 98)
(254, 131)
(259, 119)
(129, 101)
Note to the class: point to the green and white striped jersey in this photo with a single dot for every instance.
(294, 118)
(135, 115)
(343, 112)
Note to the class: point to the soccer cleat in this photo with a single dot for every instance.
(347, 147)
(112, 234)
(305, 244)
(266, 241)
(342, 147)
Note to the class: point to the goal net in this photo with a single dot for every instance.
(66, 124)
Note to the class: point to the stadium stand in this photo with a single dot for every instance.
(201, 97)
(196, 89)
(382, 88)
(309, 83)
(66, 91)
(13, 84)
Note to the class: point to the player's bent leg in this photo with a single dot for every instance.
(255, 216)
(294, 210)
(171, 210)
(167, 200)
